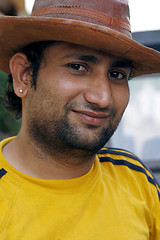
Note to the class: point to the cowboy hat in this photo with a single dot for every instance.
(99, 24)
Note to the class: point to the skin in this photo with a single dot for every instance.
(79, 100)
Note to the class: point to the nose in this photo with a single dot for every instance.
(99, 92)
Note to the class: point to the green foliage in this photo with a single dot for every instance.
(8, 125)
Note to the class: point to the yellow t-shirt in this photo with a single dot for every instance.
(116, 200)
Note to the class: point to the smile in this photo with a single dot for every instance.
(91, 118)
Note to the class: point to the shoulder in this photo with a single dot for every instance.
(128, 165)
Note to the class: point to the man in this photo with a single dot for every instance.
(70, 63)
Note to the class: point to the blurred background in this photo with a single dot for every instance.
(139, 131)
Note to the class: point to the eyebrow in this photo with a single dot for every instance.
(82, 57)
(124, 63)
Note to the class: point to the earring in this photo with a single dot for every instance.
(20, 90)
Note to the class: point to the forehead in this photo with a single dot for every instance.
(64, 50)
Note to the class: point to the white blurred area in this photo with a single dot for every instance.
(29, 5)
(145, 14)
(139, 130)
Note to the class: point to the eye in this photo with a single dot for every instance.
(117, 75)
(77, 66)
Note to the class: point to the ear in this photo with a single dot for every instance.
(20, 70)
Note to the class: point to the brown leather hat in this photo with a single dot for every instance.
(99, 24)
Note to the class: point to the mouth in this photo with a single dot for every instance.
(91, 118)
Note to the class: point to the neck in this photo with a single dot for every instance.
(30, 158)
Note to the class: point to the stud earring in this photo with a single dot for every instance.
(20, 90)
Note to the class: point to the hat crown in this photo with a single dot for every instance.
(110, 13)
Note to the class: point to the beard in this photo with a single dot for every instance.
(64, 136)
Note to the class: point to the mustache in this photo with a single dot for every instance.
(89, 106)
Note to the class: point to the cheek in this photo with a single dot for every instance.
(61, 82)
(57, 92)
(121, 97)
(68, 87)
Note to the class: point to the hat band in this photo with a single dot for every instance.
(105, 20)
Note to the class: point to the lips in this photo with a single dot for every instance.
(92, 118)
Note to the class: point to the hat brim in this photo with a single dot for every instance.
(17, 32)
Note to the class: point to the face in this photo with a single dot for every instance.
(79, 99)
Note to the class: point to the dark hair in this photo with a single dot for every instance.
(34, 53)
(8, 9)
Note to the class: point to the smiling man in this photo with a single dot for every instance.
(69, 66)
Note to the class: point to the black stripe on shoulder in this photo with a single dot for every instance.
(133, 167)
(118, 151)
(2, 172)
(128, 164)
(122, 152)
(158, 194)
